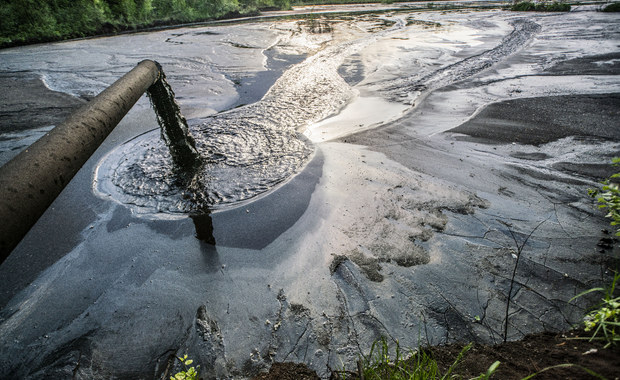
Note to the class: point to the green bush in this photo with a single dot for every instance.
(604, 319)
(524, 6)
(554, 7)
(23, 19)
(609, 197)
(613, 7)
(528, 6)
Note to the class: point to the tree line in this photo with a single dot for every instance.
(27, 21)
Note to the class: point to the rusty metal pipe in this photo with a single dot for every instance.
(31, 181)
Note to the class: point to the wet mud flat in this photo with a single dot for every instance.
(407, 227)
(29, 108)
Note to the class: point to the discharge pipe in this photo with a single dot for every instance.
(31, 181)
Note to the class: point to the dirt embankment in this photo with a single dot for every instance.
(535, 353)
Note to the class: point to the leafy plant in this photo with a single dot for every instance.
(609, 197)
(190, 373)
(613, 7)
(524, 6)
(417, 365)
(605, 318)
(568, 365)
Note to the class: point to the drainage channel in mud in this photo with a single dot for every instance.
(408, 89)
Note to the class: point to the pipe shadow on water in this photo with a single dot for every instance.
(204, 232)
(257, 224)
(210, 257)
(204, 227)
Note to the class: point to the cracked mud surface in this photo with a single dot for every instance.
(402, 227)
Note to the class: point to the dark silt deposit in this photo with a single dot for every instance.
(546, 119)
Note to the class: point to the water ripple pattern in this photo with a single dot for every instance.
(246, 151)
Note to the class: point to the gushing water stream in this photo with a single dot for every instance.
(173, 126)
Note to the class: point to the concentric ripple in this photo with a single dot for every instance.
(242, 159)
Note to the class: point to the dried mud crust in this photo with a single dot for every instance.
(518, 359)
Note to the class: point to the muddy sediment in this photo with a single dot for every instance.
(405, 227)
(541, 120)
(27, 103)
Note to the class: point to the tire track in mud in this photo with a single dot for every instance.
(409, 90)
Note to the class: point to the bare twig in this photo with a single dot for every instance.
(514, 271)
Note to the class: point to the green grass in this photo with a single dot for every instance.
(380, 364)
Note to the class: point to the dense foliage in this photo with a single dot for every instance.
(605, 318)
(613, 7)
(25, 21)
(541, 7)
(608, 196)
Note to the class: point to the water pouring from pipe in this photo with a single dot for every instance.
(174, 129)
